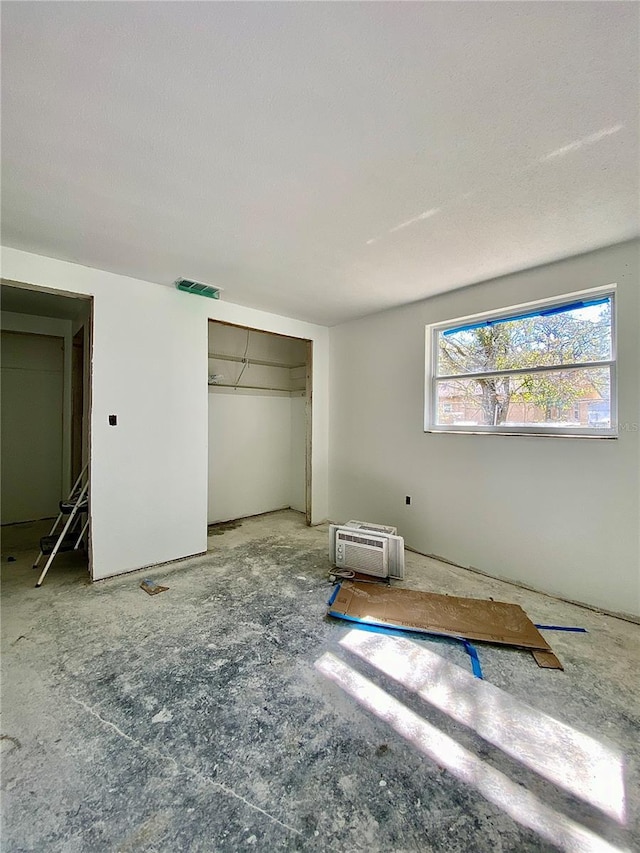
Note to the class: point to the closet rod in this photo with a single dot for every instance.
(264, 362)
(254, 387)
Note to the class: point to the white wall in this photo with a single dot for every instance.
(249, 454)
(149, 473)
(256, 454)
(560, 514)
(32, 423)
(12, 321)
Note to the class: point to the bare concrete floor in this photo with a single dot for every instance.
(229, 713)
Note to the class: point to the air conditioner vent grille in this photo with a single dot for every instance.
(371, 563)
(373, 528)
(360, 540)
(189, 286)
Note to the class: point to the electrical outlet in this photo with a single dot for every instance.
(407, 500)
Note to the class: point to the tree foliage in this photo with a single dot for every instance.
(556, 339)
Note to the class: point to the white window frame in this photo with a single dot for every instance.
(553, 430)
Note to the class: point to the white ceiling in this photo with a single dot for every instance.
(319, 160)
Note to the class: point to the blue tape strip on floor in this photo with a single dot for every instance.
(475, 660)
(334, 595)
(399, 631)
(562, 628)
(385, 627)
(394, 632)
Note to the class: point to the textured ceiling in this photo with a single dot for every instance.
(319, 160)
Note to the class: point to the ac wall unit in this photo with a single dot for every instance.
(374, 528)
(377, 554)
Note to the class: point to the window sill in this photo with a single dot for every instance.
(532, 434)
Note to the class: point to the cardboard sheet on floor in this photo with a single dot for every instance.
(151, 587)
(445, 615)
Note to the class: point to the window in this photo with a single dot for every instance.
(542, 369)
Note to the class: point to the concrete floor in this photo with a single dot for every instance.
(229, 714)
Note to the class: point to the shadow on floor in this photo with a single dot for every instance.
(19, 551)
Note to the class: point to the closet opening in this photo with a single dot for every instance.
(260, 400)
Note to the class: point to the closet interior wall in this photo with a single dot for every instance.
(259, 406)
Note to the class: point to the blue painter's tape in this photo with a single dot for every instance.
(394, 632)
(400, 631)
(475, 660)
(560, 309)
(562, 628)
(543, 312)
(382, 625)
(334, 595)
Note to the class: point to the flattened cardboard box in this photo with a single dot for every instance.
(447, 615)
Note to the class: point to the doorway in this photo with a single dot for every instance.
(45, 338)
(260, 400)
(32, 425)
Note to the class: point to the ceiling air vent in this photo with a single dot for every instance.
(198, 288)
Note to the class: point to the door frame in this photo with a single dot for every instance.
(77, 402)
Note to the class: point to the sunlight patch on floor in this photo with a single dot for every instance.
(566, 757)
(521, 805)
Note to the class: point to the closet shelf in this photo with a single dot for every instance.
(254, 387)
(264, 362)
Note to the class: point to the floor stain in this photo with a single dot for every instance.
(222, 527)
(7, 739)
